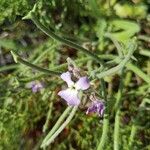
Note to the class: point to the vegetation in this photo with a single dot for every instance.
(109, 41)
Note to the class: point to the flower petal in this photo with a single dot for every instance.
(83, 83)
(67, 78)
(91, 109)
(100, 109)
(96, 107)
(70, 96)
(35, 86)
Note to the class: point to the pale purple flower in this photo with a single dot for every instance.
(97, 106)
(70, 95)
(35, 86)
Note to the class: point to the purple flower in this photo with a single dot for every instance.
(35, 86)
(97, 106)
(70, 95)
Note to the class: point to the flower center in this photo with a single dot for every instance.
(73, 87)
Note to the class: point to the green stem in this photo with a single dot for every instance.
(52, 138)
(31, 15)
(17, 58)
(132, 135)
(117, 116)
(129, 66)
(118, 67)
(144, 52)
(58, 123)
(116, 43)
(144, 38)
(138, 71)
(45, 127)
(37, 68)
(116, 130)
(104, 93)
(104, 136)
(8, 67)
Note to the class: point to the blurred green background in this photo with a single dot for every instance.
(23, 113)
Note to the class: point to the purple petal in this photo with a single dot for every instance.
(83, 83)
(96, 107)
(34, 89)
(70, 96)
(67, 78)
(102, 111)
(35, 86)
(91, 109)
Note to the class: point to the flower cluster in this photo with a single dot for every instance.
(82, 83)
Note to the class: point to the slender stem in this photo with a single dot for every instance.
(19, 59)
(118, 46)
(116, 130)
(58, 123)
(144, 38)
(103, 85)
(104, 136)
(37, 68)
(31, 15)
(8, 67)
(129, 66)
(138, 71)
(144, 52)
(132, 135)
(117, 116)
(52, 138)
(118, 67)
(45, 127)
